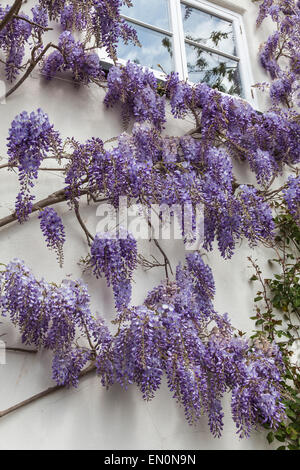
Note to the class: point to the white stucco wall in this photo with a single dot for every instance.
(90, 417)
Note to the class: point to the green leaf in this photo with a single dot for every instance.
(291, 414)
(292, 447)
(280, 436)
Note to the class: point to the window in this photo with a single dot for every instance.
(201, 41)
(210, 50)
(151, 19)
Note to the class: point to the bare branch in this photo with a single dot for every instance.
(33, 64)
(56, 197)
(45, 393)
(44, 28)
(166, 259)
(89, 236)
(30, 351)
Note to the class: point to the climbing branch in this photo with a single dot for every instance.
(44, 28)
(54, 198)
(14, 10)
(89, 236)
(166, 259)
(33, 63)
(22, 350)
(44, 393)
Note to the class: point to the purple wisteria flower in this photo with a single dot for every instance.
(51, 316)
(177, 332)
(13, 38)
(31, 137)
(291, 195)
(85, 66)
(280, 53)
(53, 231)
(136, 90)
(116, 259)
(100, 18)
(72, 18)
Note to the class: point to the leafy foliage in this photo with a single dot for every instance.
(279, 320)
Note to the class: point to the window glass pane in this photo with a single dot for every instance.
(217, 71)
(156, 49)
(154, 12)
(208, 29)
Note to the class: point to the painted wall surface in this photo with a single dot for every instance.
(90, 417)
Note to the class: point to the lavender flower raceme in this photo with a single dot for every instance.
(283, 44)
(53, 231)
(115, 258)
(99, 21)
(13, 38)
(171, 333)
(292, 197)
(137, 91)
(175, 332)
(85, 66)
(49, 316)
(31, 137)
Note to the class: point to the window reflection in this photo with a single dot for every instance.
(217, 71)
(154, 12)
(156, 49)
(208, 30)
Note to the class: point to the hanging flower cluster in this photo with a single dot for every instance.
(136, 90)
(72, 56)
(280, 55)
(266, 141)
(31, 137)
(72, 17)
(99, 21)
(176, 332)
(13, 38)
(53, 231)
(291, 196)
(116, 259)
(172, 170)
(49, 316)
(150, 168)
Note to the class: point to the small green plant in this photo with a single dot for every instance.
(277, 318)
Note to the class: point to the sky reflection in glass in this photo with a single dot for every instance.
(156, 49)
(207, 29)
(219, 72)
(154, 12)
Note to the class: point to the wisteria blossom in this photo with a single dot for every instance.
(170, 333)
(175, 332)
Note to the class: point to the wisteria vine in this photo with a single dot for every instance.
(170, 333)
(175, 332)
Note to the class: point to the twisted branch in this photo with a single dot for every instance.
(44, 393)
(14, 10)
(54, 198)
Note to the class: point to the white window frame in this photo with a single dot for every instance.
(179, 51)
